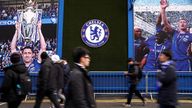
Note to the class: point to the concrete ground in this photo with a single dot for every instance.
(112, 103)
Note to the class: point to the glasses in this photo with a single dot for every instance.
(87, 57)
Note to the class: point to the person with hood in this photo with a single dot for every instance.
(59, 66)
(8, 87)
(80, 88)
(46, 82)
(167, 93)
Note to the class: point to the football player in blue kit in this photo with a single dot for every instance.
(181, 40)
(139, 44)
(27, 52)
(156, 44)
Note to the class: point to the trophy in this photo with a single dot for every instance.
(28, 19)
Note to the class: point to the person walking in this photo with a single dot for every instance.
(11, 75)
(59, 69)
(46, 84)
(167, 94)
(135, 75)
(80, 89)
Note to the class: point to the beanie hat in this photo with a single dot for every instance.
(55, 58)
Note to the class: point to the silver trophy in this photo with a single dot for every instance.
(28, 19)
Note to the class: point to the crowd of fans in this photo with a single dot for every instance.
(173, 17)
(49, 11)
(10, 13)
(5, 51)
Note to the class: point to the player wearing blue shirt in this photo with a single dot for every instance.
(181, 41)
(29, 59)
(180, 45)
(156, 44)
(139, 44)
(32, 64)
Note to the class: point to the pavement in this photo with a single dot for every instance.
(109, 103)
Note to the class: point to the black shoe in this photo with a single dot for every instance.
(144, 103)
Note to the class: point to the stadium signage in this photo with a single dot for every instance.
(44, 21)
(94, 33)
(7, 22)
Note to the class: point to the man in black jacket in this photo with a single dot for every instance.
(80, 90)
(59, 66)
(8, 87)
(167, 94)
(46, 84)
(135, 74)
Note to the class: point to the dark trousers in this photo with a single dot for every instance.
(132, 90)
(52, 95)
(14, 104)
(166, 106)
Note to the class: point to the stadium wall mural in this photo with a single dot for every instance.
(145, 16)
(19, 22)
(161, 25)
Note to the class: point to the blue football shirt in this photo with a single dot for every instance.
(180, 45)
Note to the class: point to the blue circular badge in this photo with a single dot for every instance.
(95, 33)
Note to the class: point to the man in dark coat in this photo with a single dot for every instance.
(135, 74)
(8, 87)
(167, 94)
(46, 84)
(59, 69)
(80, 89)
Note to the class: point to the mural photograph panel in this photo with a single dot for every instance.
(24, 26)
(163, 25)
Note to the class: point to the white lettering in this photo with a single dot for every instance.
(8, 22)
(94, 22)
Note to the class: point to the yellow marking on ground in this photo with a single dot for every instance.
(114, 100)
(33, 101)
(120, 100)
(185, 101)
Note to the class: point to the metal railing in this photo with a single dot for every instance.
(117, 83)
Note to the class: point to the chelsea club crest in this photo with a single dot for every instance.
(95, 33)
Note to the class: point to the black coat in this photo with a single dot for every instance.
(80, 91)
(59, 70)
(133, 73)
(8, 87)
(168, 89)
(47, 76)
(67, 71)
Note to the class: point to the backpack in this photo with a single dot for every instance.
(23, 84)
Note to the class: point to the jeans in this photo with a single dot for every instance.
(132, 90)
(52, 95)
